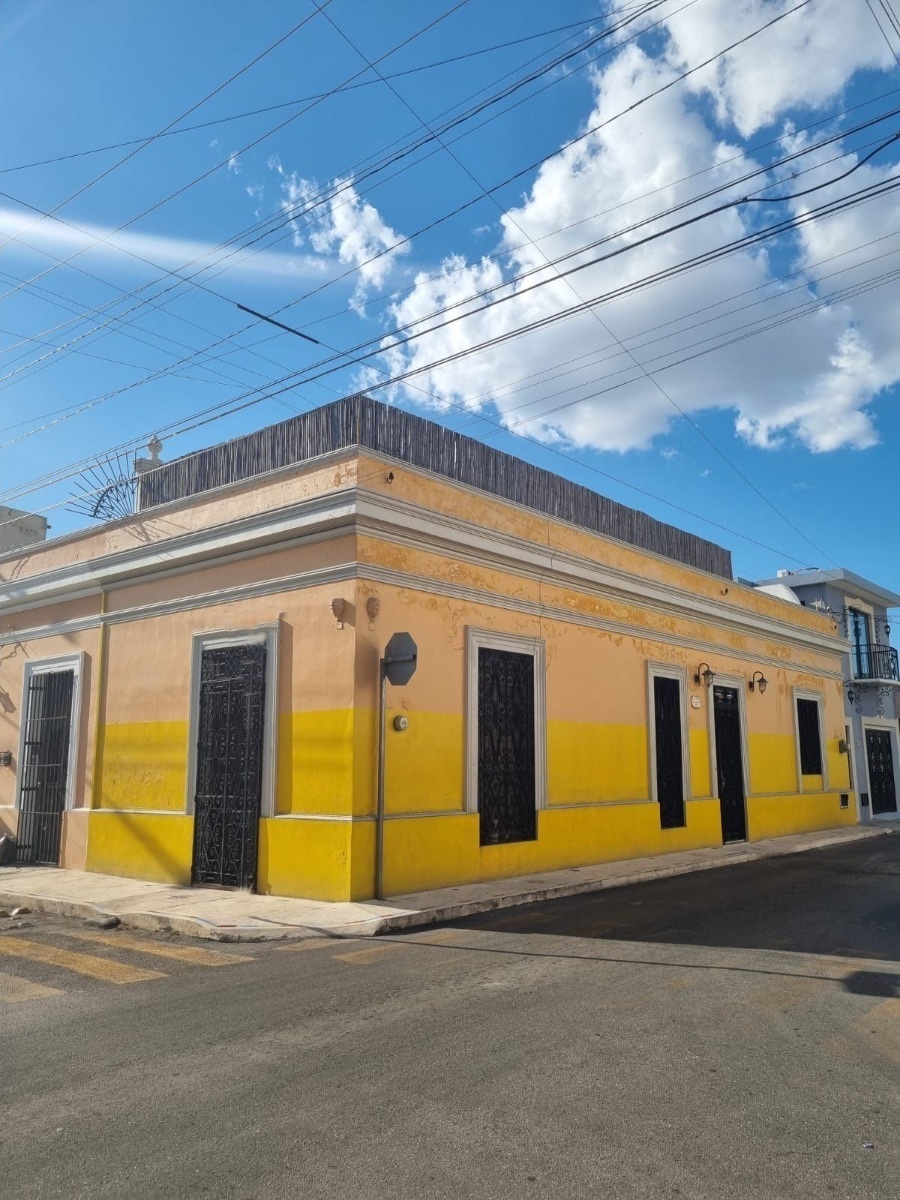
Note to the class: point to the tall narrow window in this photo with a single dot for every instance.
(506, 746)
(861, 640)
(669, 751)
(809, 736)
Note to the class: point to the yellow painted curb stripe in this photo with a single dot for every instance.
(13, 989)
(83, 964)
(189, 954)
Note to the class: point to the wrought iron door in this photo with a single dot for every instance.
(229, 765)
(45, 766)
(669, 752)
(506, 760)
(882, 791)
(729, 763)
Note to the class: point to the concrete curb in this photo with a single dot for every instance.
(200, 927)
(469, 908)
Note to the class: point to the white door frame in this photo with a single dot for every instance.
(799, 693)
(493, 639)
(262, 635)
(664, 671)
(48, 666)
(737, 682)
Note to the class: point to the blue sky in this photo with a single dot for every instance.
(751, 398)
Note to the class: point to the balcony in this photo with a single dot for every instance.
(875, 662)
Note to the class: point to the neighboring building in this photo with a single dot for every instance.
(192, 693)
(871, 677)
(19, 528)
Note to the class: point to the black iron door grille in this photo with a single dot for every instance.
(881, 771)
(729, 763)
(506, 757)
(45, 766)
(669, 752)
(229, 765)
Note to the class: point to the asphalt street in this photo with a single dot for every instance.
(733, 1033)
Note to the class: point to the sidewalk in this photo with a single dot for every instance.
(242, 917)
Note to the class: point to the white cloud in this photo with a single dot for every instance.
(804, 60)
(810, 381)
(345, 225)
(234, 164)
(58, 239)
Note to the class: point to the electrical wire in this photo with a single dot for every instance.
(883, 32)
(255, 112)
(318, 8)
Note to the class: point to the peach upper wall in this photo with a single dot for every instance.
(200, 512)
(477, 508)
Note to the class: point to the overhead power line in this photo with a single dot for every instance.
(267, 108)
(318, 8)
(285, 219)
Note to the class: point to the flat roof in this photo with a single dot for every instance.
(361, 422)
(842, 578)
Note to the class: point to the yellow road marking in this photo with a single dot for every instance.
(83, 964)
(189, 954)
(366, 956)
(311, 944)
(13, 989)
(439, 936)
(883, 1019)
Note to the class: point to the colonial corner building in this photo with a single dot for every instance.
(191, 694)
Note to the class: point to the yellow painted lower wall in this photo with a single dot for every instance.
(156, 846)
(315, 762)
(587, 762)
(776, 816)
(429, 852)
(306, 858)
(323, 859)
(144, 765)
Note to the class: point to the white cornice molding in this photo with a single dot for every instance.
(356, 510)
(419, 528)
(298, 523)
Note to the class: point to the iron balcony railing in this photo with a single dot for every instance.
(875, 662)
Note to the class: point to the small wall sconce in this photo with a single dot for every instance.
(704, 674)
(401, 723)
(373, 607)
(337, 607)
(5, 758)
(843, 748)
(758, 682)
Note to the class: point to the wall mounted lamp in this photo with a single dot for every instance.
(758, 682)
(704, 674)
(5, 758)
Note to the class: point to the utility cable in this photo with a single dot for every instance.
(318, 8)
(255, 112)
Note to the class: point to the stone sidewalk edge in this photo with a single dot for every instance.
(199, 927)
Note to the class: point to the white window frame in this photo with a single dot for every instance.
(491, 639)
(891, 727)
(47, 666)
(662, 671)
(806, 694)
(729, 681)
(262, 635)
